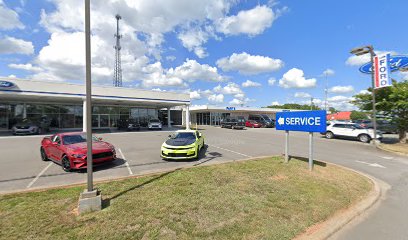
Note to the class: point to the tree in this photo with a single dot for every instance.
(356, 115)
(393, 101)
(332, 110)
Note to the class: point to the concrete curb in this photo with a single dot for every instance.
(343, 217)
(390, 151)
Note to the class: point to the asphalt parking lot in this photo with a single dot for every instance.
(21, 167)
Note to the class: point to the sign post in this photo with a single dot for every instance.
(286, 146)
(310, 151)
(302, 121)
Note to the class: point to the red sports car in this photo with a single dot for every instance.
(69, 150)
(252, 124)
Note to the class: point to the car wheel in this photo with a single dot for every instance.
(66, 164)
(329, 135)
(364, 138)
(43, 155)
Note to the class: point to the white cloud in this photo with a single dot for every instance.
(302, 95)
(341, 89)
(236, 101)
(171, 58)
(193, 41)
(249, 64)
(11, 45)
(363, 59)
(251, 22)
(249, 83)
(328, 72)
(154, 75)
(275, 103)
(191, 70)
(271, 81)
(26, 67)
(364, 91)
(239, 96)
(195, 95)
(294, 78)
(230, 89)
(216, 98)
(158, 90)
(8, 18)
(341, 103)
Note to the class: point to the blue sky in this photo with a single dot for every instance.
(229, 52)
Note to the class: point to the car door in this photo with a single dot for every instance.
(350, 130)
(55, 148)
(338, 129)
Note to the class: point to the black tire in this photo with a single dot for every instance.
(364, 138)
(329, 135)
(43, 155)
(66, 164)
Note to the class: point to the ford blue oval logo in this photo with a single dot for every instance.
(396, 62)
(5, 84)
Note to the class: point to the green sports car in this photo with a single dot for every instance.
(183, 144)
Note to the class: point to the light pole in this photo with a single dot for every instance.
(89, 200)
(361, 51)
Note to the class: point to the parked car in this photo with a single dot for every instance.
(128, 124)
(252, 124)
(350, 130)
(263, 119)
(183, 144)
(70, 150)
(382, 125)
(155, 124)
(233, 123)
(26, 126)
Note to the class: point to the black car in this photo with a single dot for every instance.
(233, 123)
(128, 124)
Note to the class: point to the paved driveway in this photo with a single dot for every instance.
(21, 167)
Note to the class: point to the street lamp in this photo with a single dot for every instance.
(361, 51)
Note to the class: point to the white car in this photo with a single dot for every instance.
(154, 124)
(350, 130)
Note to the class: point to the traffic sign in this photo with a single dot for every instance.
(303, 121)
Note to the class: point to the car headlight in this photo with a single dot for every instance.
(78, 155)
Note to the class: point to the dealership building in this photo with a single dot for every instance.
(63, 104)
(213, 115)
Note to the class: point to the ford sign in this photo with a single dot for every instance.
(396, 62)
(230, 108)
(5, 84)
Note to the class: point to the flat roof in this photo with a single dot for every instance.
(210, 108)
(13, 89)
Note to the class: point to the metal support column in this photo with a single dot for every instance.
(286, 146)
(310, 151)
(187, 117)
(168, 118)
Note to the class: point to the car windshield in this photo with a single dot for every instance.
(266, 117)
(154, 120)
(188, 135)
(79, 138)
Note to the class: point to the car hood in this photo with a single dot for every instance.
(96, 147)
(180, 141)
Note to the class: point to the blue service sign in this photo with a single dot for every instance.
(396, 62)
(6, 84)
(302, 121)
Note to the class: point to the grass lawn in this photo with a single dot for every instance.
(396, 147)
(259, 199)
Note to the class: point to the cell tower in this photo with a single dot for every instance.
(117, 78)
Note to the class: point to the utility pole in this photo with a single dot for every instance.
(117, 79)
(311, 103)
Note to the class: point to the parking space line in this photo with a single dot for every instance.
(39, 175)
(126, 162)
(230, 151)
